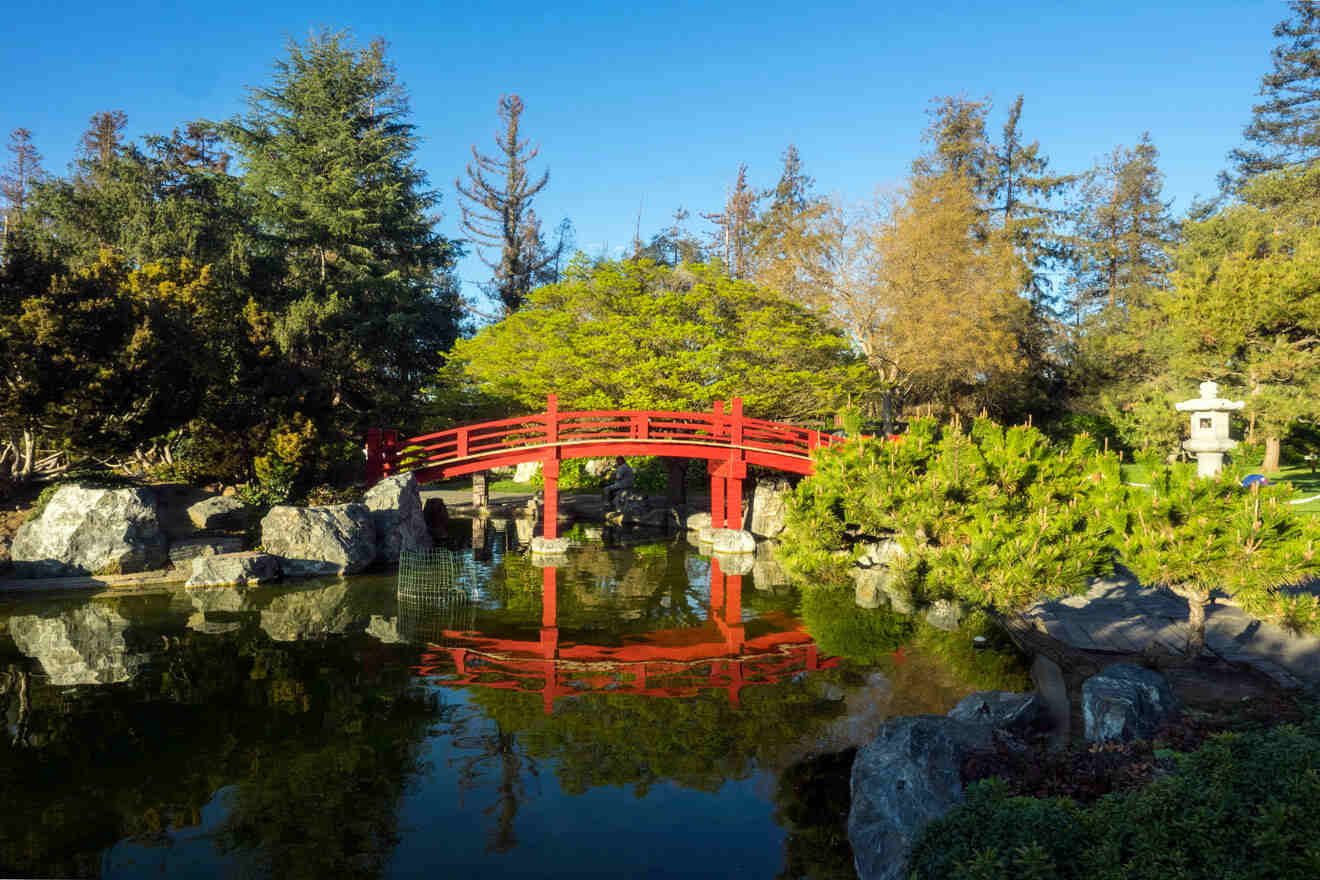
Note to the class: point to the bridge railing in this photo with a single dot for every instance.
(555, 428)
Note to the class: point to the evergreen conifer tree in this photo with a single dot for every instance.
(362, 299)
(1285, 128)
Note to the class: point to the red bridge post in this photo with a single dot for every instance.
(737, 469)
(550, 469)
(716, 479)
(726, 476)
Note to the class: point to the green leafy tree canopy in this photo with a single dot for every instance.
(640, 335)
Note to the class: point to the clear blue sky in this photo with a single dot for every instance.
(654, 106)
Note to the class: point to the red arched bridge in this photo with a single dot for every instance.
(727, 439)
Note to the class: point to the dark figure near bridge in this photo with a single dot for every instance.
(622, 478)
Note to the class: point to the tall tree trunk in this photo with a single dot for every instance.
(1271, 462)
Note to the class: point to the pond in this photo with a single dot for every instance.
(633, 711)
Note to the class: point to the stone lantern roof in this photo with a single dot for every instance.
(1209, 401)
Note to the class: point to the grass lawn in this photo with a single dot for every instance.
(504, 485)
(1299, 475)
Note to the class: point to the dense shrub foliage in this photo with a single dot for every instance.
(1002, 518)
(993, 515)
(1242, 806)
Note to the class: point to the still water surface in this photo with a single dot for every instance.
(631, 713)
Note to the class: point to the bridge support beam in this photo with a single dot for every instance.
(716, 497)
(550, 470)
(550, 509)
(726, 477)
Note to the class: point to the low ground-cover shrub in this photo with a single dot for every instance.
(1241, 806)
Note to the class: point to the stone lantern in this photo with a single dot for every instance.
(1209, 440)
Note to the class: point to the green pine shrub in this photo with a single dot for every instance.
(999, 517)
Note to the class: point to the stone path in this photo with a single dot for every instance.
(1118, 614)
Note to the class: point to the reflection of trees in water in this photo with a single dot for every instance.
(328, 807)
(601, 587)
(812, 799)
(315, 743)
(14, 703)
(492, 758)
(698, 742)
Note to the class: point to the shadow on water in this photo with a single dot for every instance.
(633, 710)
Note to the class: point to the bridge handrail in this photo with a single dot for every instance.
(554, 427)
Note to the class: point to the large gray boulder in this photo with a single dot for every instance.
(1125, 702)
(908, 776)
(85, 645)
(769, 507)
(185, 550)
(946, 614)
(396, 509)
(1018, 714)
(869, 586)
(339, 539)
(91, 531)
(219, 512)
(731, 541)
(1052, 690)
(238, 569)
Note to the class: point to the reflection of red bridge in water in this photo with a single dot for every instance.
(668, 663)
(728, 441)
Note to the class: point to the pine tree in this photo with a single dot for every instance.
(498, 211)
(1122, 239)
(1285, 128)
(1123, 232)
(22, 171)
(104, 137)
(733, 235)
(1019, 189)
(1011, 188)
(958, 142)
(789, 245)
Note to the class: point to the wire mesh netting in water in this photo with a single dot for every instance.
(437, 592)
